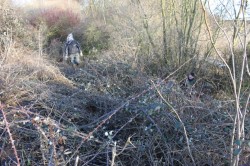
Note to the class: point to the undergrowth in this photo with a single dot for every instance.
(108, 111)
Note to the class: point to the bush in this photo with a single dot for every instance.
(11, 24)
(96, 37)
(58, 21)
(93, 37)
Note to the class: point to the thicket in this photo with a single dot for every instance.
(56, 23)
(129, 105)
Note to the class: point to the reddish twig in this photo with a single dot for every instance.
(10, 135)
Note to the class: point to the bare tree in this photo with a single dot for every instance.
(237, 78)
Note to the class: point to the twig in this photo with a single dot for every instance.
(107, 144)
(77, 160)
(113, 155)
(10, 135)
(122, 106)
(184, 128)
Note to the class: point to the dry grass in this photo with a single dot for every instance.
(116, 107)
(23, 72)
(108, 109)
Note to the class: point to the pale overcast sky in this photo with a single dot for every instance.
(20, 2)
(224, 8)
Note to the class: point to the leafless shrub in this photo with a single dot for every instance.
(111, 112)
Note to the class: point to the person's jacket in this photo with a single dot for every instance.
(72, 47)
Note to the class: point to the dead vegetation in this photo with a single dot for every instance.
(149, 124)
(109, 111)
(114, 112)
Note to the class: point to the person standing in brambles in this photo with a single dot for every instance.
(73, 50)
(190, 81)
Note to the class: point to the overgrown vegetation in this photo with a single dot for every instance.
(58, 22)
(127, 103)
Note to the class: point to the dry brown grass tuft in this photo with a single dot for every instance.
(31, 63)
(24, 75)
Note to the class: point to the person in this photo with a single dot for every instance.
(190, 81)
(72, 49)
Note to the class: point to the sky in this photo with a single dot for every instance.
(224, 8)
(21, 2)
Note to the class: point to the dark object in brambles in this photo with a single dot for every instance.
(189, 81)
(191, 78)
